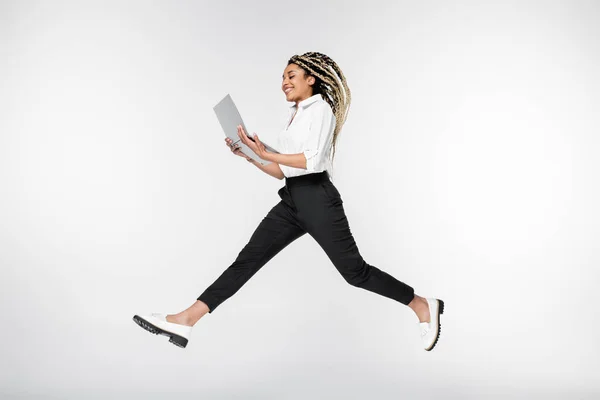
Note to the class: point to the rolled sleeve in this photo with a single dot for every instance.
(320, 133)
(310, 156)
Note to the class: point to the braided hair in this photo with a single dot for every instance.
(330, 83)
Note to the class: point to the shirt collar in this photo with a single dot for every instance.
(306, 102)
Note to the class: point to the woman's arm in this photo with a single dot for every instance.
(325, 121)
(291, 160)
(272, 169)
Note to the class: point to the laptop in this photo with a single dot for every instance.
(229, 118)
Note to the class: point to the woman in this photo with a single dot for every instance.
(310, 203)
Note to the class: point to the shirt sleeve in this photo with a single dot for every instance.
(320, 133)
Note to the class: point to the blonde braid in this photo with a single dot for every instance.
(331, 84)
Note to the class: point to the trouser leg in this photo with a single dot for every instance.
(274, 233)
(325, 219)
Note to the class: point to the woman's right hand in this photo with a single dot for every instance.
(235, 149)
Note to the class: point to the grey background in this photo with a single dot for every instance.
(468, 168)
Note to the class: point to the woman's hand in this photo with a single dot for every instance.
(235, 149)
(256, 146)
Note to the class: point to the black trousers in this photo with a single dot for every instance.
(309, 204)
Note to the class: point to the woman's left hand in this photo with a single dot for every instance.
(256, 146)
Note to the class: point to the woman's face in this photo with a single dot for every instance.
(296, 84)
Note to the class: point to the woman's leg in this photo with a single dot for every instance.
(278, 229)
(421, 308)
(325, 219)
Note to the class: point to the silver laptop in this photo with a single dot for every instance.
(229, 118)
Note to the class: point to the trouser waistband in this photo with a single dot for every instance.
(307, 179)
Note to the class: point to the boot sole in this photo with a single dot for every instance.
(440, 311)
(177, 340)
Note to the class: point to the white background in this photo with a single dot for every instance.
(468, 167)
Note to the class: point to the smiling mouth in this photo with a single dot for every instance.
(288, 91)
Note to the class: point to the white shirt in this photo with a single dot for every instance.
(310, 132)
